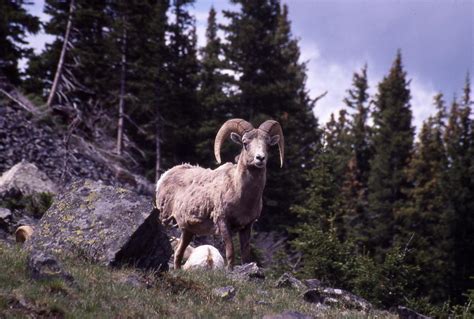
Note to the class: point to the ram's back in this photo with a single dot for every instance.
(189, 194)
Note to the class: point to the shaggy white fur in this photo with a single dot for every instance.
(205, 257)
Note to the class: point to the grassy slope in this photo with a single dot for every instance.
(100, 292)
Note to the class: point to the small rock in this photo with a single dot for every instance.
(5, 216)
(312, 283)
(135, 280)
(287, 280)
(224, 293)
(313, 296)
(43, 265)
(407, 313)
(288, 315)
(247, 272)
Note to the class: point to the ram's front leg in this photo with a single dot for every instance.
(244, 237)
(229, 246)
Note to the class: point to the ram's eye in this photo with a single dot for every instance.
(246, 145)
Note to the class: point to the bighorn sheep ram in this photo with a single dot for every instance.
(226, 199)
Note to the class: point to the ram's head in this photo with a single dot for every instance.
(254, 141)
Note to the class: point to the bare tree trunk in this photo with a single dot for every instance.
(59, 69)
(122, 91)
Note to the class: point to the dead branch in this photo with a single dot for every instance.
(59, 70)
(11, 97)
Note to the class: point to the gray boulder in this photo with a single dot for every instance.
(27, 179)
(105, 224)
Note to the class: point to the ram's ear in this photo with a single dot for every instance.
(274, 140)
(236, 138)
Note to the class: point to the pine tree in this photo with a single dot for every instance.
(460, 185)
(357, 172)
(178, 96)
(323, 254)
(393, 143)
(214, 102)
(146, 25)
(337, 144)
(15, 23)
(251, 53)
(427, 214)
(264, 55)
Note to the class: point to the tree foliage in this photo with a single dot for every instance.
(15, 23)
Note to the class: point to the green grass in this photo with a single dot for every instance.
(100, 292)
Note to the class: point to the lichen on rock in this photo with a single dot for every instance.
(104, 225)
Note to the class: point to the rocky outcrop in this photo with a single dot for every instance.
(21, 138)
(30, 137)
(105, 224)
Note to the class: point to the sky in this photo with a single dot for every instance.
(337, 37)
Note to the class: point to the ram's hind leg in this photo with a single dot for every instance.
(186, 238)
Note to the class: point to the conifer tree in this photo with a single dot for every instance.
(357, 172)
(15, 23)
(427, 215)
(338, 148)
(264, 55)
(214, 102)
(460, 185)
(318, 225)
(179, 102)
(146, 54)
(392, 141)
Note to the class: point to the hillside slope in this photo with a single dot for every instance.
(32, 136)
(101, 292)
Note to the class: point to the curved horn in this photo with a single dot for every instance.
(234, 125)
(272, 128)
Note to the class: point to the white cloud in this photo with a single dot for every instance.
(325, 74)
(422, 94)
